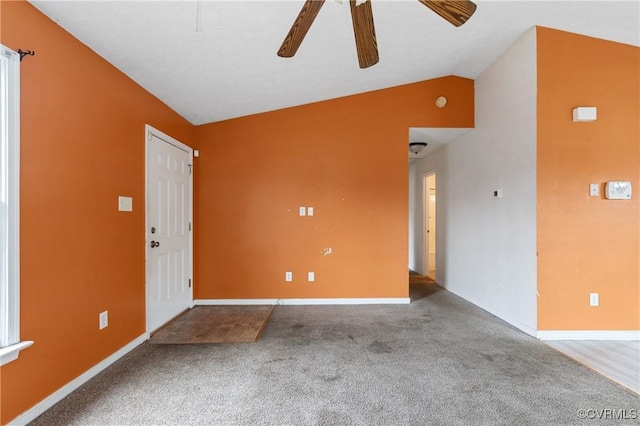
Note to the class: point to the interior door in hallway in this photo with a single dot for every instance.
(168, 229)
(429, 208)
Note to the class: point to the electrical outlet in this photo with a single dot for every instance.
(594, 189)
(311, 276)
(125, 204)
(594, 299)
(104, 319)
(309, 211)
(303, 211)
(288, 276)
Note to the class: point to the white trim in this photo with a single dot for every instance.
(10, 197)
(64, 391)
(148, 132)
(310, 301)
(588, 335)
(10, 353)
(224, 302)
(348, 301)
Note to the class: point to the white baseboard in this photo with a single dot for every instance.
(58, 395)
(348, 301)
(588, 335)
(311, 301)
(220, 302)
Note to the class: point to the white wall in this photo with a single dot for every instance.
(487, 246)
(414, 209)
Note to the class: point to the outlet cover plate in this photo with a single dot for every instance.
(104, 319)
(125, 204)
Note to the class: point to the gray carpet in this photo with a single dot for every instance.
(437, 361)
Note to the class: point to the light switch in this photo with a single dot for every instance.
(125, 204)
(594, 189)
(309, 211)
(594, 299)
(311, 276)
(303, 211)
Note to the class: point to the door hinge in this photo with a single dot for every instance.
(189, 282)
(189, 226)
(190, 168)
(149, 135)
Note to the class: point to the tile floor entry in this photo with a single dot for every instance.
(215, 324)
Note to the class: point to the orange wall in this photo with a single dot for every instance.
(82, 145)
(587, 244)
(347, 158)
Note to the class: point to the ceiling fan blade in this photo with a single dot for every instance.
(457, 12)
(299, 28)
(365, 33)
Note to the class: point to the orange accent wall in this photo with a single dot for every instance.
(347, 158)
(587, 244)
(82, 145)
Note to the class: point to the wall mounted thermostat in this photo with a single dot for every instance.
(618, 190)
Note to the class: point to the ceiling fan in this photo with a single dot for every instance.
(457, 12)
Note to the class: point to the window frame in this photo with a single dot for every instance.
(10, 344)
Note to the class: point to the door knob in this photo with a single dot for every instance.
(155, 244)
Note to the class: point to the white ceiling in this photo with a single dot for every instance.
(229, 68)
(435, 137)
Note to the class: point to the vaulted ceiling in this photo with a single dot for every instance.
(214, 60)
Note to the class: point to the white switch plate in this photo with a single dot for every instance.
(125, 204)
(594, 189)
(594, 299)
(311, 276)
(309, 211)
(303, 211)
(104, 319)
(288, 276)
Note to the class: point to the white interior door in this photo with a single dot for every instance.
(429, 224)
(168, 228)
(432, 225)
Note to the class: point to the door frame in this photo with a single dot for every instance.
(425, 223)
(148, 134)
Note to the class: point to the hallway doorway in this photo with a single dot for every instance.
(429, 224)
